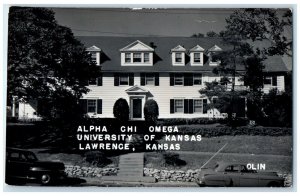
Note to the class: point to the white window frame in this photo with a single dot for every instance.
(95, 106)
(194, 108)
(195, 76)
(95, 57)
(141, 54)
(176, 76)
(151, 77)
(269, 78)
(148, 61)
(176, 100)
(123, 75)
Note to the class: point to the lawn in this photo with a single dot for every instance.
(275, 152)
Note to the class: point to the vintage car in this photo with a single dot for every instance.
(22, 166)
(237, 175)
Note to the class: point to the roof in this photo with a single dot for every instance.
(162, 62)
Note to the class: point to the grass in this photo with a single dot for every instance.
(275, 152)
(281, 145)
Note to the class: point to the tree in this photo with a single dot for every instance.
(211, 34)
(121, 110)
(46, 62)
(151, 111)
(260, 23)
(198, 35)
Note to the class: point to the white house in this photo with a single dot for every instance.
(170, 70)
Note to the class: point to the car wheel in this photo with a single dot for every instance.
(46, 179)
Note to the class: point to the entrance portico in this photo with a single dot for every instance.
(137, 99)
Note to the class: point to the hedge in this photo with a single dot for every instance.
(220, 131)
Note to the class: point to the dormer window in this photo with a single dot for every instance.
(178, 56)
(95, 54)
(196, 54)
(137, 57)
(137, 54)
(212, 54)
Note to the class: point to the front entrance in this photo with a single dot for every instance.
(137, 98)
(136, 108)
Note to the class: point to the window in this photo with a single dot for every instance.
(197, 79)
(127, 57)
(124, 79)
(91, 106)
(149, 79)
(178, 106)
(178, 57)
(268, 80)
(197, 58)
(178, 79)
(146, 57)
(232, 168)
(198, 105)
(137, 57)
(94, 57)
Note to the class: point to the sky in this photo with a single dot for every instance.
(141, 22)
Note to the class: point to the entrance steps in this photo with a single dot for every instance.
(131, 169)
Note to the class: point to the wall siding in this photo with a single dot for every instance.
(161, 94)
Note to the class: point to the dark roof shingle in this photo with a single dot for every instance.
(111, 58)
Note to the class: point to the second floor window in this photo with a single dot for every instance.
(149, 79)
(124, 80)
(197, 79)
(178, 79)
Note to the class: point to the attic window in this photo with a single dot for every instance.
(178, 57)
(95, 54)
(196, 54)
(137, 53)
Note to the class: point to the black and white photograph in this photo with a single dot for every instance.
(149, 97)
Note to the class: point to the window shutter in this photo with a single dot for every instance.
(83, 105)
(204, 106)
(188, 79)
(99, 80)
(171, 106)
(186, 106)
(156, 79)
(274, 80)
(116, 79)
(99, 106)
(131, 79)
(191, 106)
(142, 79)
(171, 79)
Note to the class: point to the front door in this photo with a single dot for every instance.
(136, 108)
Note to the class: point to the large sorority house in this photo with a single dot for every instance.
(169, 70)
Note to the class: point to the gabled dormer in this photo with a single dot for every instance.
(96, 54)
(196, 55)
(213, 60)
(178, 56)
(137, 54)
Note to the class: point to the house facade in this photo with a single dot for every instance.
(169, 70)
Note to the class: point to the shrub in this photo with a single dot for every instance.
(121, 110)
(220, 131)
(151, 111)
(96, 158)
(173, 159)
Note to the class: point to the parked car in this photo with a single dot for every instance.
(22, 166)
(237, 175)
